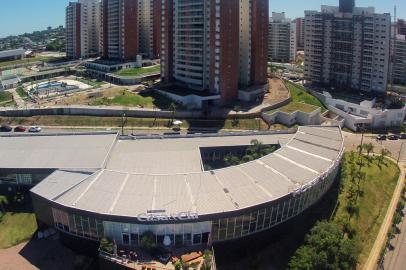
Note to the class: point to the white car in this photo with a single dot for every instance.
(34, 129)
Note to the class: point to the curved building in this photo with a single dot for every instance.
(158, 185)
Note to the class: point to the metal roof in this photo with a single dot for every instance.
(309, 155)
(61, 151)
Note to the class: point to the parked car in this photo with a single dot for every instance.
(34, 129)
(381, 137)
(393, 137)
(403, 136)
(20, 129)
(5, 128)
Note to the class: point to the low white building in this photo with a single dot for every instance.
(365, 115)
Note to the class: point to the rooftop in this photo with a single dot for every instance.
(168, 186)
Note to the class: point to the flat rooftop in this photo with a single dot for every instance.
(56, 151)
(129, 190)
(175, 155)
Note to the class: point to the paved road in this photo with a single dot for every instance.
(396, 259)
(394, 147)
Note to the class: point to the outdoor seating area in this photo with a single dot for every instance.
(139, 259)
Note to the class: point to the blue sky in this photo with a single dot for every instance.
(19, 16)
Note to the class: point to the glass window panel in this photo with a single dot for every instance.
(253, 221)
(230, 228)
(246, 224)
(261, 218)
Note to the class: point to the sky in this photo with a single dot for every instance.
(20, 16)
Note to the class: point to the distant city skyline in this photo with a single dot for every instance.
(25, 16)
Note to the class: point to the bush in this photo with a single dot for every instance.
(148, 241)
(106, 245)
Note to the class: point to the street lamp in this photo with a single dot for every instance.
(123, 122)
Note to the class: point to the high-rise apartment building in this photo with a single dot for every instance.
(215, 46)
(401, 27)
(300, 33)
(82, 29)
(282, 42)
(399, 60)
(347, 47)
(149, 15)
(120, 25)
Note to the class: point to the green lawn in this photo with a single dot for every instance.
(301, 101)
(126, 99)
(378, 190)
(17, 223)
(301, 96)
(6, 99)
(16, 228)
(296, 106)
(20, 91)
(91, 82)
(138, 71)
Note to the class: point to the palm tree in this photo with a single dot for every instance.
(172, 108)
(384, 152)
(369, 147)
(360, 148)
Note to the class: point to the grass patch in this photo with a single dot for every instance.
(17, 222)
(138, 71)
(26, 61)
(126, 99)
(378, 188)
(20, 91)
(16, 228)
(5, 96)
(296, 106)
(112, 122)
(301, 101)
(92, 83)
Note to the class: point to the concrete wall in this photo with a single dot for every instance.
(290, 119)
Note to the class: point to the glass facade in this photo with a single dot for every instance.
(78, 225)
(179, 234)
(263, 219)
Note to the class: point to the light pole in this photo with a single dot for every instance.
(123, 122)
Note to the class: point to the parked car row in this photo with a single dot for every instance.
(7, 128)
(393, 137)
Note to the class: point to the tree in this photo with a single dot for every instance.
(369, 147)
(360, 148)
(106, 245)
(148, 241)
(172, 108)
(231, 160)
(325, 248)
(384, 153)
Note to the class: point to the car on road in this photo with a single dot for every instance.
(5, 128)
(403, 136)
(34, 129)
(393, 137)
(381, 137)
(20, 129)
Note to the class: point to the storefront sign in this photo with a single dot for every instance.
(162, 216)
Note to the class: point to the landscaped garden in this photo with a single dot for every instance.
(138, 71)
(301, 101)
(345, 241)
(17, 220)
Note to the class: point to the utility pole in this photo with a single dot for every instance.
(400, 152)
